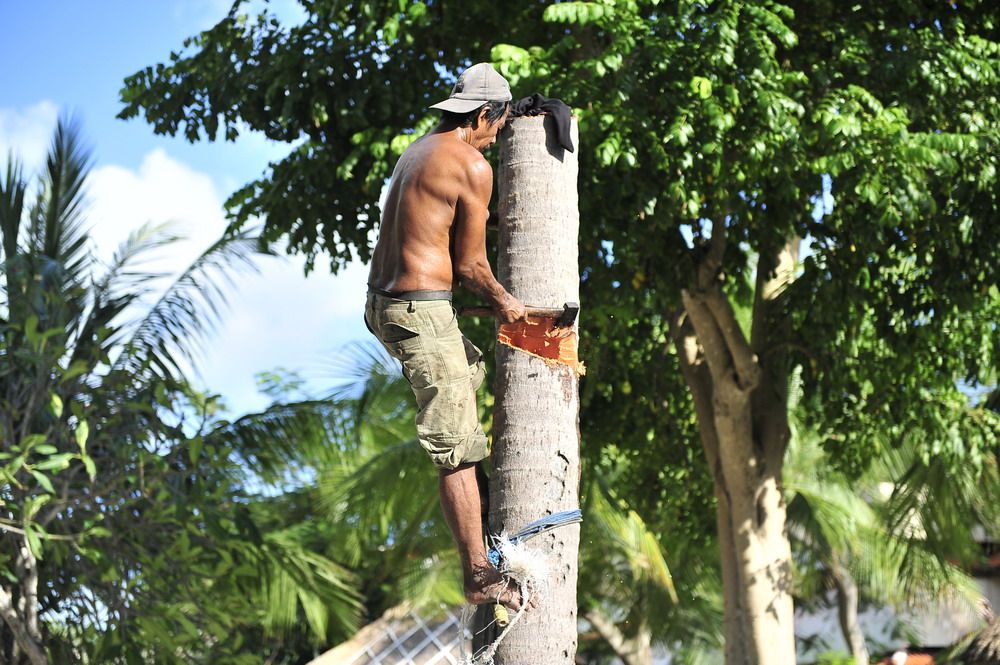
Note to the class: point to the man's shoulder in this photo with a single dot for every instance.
(450, 154)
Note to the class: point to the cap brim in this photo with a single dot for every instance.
(456, 105)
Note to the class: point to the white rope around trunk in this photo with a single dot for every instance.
(529, 571)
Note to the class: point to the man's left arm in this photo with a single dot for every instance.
(470, 261)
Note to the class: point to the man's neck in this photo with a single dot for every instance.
(462, 133)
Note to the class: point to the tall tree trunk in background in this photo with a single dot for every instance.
(536, 445)
(637, 650)
(740, 387)
(847, 610)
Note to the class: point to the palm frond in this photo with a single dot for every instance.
(886, 547)
(114, 292)
(176, 326)
(380, 469)
(47, 260)
(624, 536)
(932, 504)
(56, 224)
(120, 276)
(281, 436)
(343, 433)
(370, 379)
(832, 512)
(395, 483)
(984, 647)
(12, 285)
(12, 191)
(925, 578)
(432, 581)
(295, 577)
(357, 364)
(694, 627)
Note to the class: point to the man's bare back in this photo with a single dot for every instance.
(433, 231)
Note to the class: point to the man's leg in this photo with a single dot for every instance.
(460, 503)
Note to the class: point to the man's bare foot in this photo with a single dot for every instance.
(487, 585)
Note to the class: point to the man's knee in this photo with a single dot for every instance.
(450, 452)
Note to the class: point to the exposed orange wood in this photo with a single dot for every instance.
(539, 337)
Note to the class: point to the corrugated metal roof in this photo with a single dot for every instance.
(403, 637)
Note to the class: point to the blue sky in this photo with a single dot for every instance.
(71, 58)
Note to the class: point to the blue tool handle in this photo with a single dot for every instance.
(541, 525)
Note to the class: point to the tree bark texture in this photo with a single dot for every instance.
(739, 386)
(536, 453)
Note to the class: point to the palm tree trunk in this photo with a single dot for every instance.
(536, 455)
(847, 610)
(636, 650)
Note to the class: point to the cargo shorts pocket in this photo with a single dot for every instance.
(393, 333)
(477, 367)
(414, 351)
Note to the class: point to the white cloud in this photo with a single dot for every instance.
(163, 191)
(28, 134)
(277, 317)
(282, 319)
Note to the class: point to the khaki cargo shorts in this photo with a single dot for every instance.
(444, 369)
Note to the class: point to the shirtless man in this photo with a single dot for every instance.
(433, 234)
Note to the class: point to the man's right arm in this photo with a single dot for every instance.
(469, 252)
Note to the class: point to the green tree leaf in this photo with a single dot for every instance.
(81, 434)
(56, 406)
(44, 481)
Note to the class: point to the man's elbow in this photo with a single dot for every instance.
(467, 272)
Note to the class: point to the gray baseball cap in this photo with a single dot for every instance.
(477, 85)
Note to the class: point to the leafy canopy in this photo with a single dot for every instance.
(691, 115)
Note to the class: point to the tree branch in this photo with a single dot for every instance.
(17, 627)
(699, 381)
(709, 336)
(55, 507)
(26, 566)
(10, 526)
(768, 289)
(707, 257)
(748, 372)
(775, 271)
(714, 319)
(716, 252)
(730, 360)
